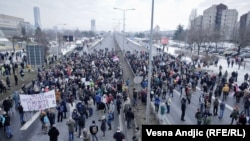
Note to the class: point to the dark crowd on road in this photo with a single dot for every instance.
(90, 82)
(172, 75)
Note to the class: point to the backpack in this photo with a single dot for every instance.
(94, 129)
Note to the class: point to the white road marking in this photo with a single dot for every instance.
(30, 121)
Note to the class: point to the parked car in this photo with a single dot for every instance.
(235, 54)
(245, 55)
(216, 51)
(228, 53)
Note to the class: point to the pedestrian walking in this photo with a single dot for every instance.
(16, 79)
(162, 110)
(6, 125)
(118, 135)
(75, 116)
(222, 108)
(198, 116)
(93, 131)
(215, 106)
(103, 126)
(168, 103)
(234, 115)
(51, 116)
(53, 133)
(60, 109)
(21, 113)
(81, 124)
(109, 120)
(70, 123)
(183, 108)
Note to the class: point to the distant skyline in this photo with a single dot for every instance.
(37, 19)
(79, 13)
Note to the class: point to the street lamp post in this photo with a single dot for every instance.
(123, 34)
(57, 52)
(150, 65)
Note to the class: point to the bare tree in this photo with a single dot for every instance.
(40, 38)
(157, 34)
(241, 37)
(215, 37)
(192, 16)
(191, 27)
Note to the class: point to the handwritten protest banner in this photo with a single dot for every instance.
(40, 101)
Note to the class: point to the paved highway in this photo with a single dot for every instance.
(175, 115)
(33, 132)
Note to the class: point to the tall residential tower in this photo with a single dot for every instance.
(37, 18)
(93, 28)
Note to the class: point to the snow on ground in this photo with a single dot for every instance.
(223, 63)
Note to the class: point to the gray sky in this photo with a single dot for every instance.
(78, 13)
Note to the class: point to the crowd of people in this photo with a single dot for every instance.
(89, 82)
(171, 74)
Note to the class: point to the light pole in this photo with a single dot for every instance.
(124, 11)
(150, 65)
(57, 52)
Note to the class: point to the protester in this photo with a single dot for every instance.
(53, 133)
(93, 131)
(118, 135)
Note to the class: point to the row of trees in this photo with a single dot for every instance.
(42, 37)
(196, 36)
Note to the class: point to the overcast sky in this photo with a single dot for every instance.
(78, 13)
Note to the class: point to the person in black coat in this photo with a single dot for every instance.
(53, 133)
(183, 108)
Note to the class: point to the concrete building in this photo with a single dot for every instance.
(37, 18)
(248, 19)
(209, 16)
(228, 23)
(212, 17)
(10, 25)
(93, 28)
(197, 22)
(243, 21)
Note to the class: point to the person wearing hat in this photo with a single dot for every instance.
(118, 135)
(53, 133)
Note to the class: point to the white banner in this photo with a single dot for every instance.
(36, 102)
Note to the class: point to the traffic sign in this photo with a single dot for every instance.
(164, 40)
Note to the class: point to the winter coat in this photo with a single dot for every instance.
(53, 134)
(70, 124)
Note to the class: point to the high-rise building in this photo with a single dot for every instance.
(37, 18)
(245, 20)
(248, 19)
(209, 16)
(212, 17)
(219, 11)
(197, 22)
(228, 23)
(93, 28)
(220, 18)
